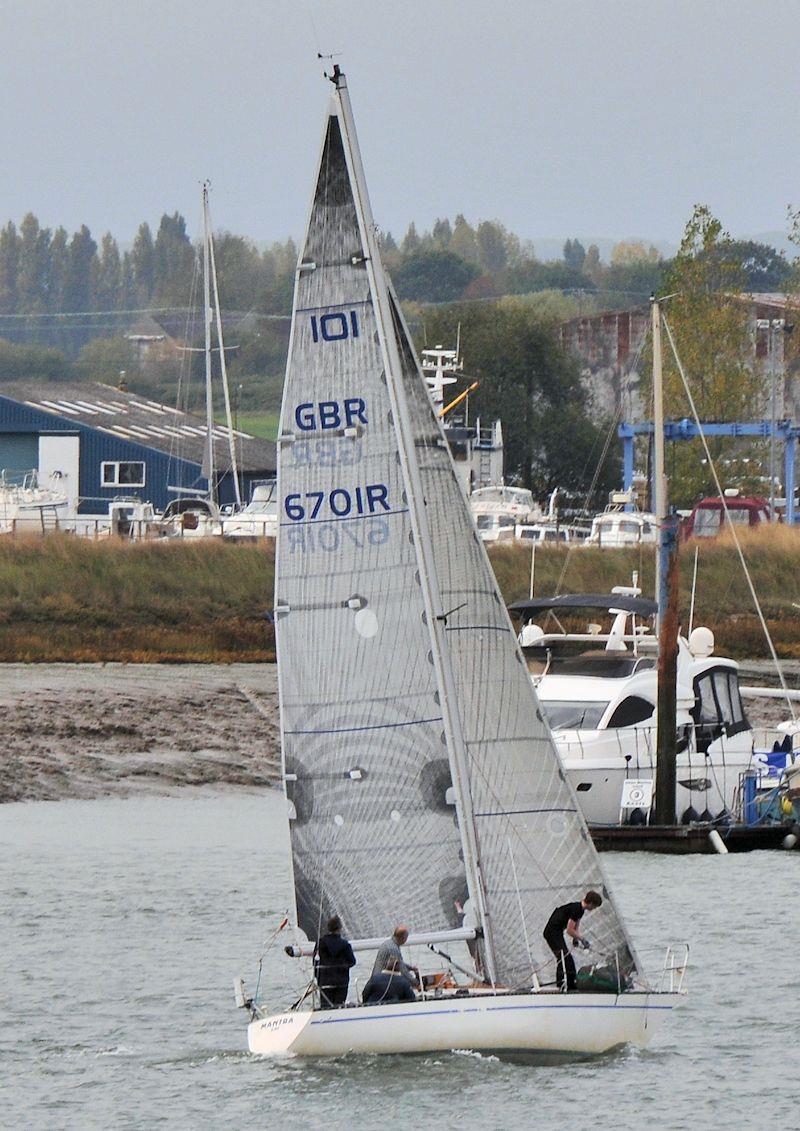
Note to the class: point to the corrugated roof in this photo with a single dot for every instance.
(158, 426)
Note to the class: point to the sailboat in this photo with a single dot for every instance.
(419, 771)
(196, 514)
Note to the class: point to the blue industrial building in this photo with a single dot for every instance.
(101, 443)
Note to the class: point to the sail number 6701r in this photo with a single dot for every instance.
(323, 506)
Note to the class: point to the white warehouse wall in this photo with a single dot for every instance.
(60, 455)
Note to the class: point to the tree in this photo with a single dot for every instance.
(592, 267)
(127, 284)
(525, 377)
(533, 276)
(463, 242)
(238, 271)
(256, 369)
(483, 286)
(81, 269)
(571, 443)
(9, 268)
(109, 274)
(389, 250)
(574, 254)
(441, 234)
(143, 264)
(31, 363)
(635, 280)
(433, 276)
(59, 257)
(173, 261)
(388, 243)
(33, 266)
(633, 251)
(103, 359)
(492, 250)
(709, 322)
(276, 285)
(411, 240)
(764, 268)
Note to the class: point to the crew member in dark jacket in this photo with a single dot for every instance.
(566, 918)
(333, 958)
(388, 986)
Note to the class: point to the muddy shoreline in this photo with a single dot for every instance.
(103, 730)
(100, 730)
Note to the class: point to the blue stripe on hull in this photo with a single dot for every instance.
(473, 1009)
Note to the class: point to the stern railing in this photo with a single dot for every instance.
(673, 974)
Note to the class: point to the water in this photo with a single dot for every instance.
(124, 922)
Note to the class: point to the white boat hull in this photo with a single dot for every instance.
(599, 762)
(545, 1022)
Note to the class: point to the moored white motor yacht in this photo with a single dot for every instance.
(191, 517)
(259, 519)
(617, 527)
(598, 690)
(495, 527)
(542, 533)
(497, 511)
(517, 502)
(548, 528)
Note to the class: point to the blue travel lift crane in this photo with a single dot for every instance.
(688, 430)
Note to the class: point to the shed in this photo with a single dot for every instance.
(103, 442)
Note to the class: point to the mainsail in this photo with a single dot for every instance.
(373, 836)
(418, 765)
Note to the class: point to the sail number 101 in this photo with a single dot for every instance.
(334, 327)
(326, 506)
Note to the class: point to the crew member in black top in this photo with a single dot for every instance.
(566, 918)
(333, 958)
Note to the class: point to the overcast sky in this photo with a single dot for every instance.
(574, 118)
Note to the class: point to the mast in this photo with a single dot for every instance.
(435, 612)
(208, 462)
(667, 598)
(223, 365)
(660, 503)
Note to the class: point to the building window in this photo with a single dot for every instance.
(122, 474)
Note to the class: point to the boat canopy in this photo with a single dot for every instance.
(641, 606)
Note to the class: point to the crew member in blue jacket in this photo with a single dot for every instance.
(388, 986)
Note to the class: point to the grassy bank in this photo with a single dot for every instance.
(72, 600)
(69, 599)
(264, 424)
(723, 601)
